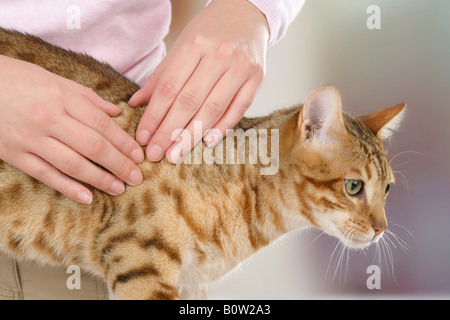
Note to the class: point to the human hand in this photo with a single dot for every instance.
(51, 128)
(211, 75)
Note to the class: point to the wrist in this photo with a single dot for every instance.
(244, 10)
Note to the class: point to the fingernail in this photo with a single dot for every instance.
(114, 107)
(155, 153)
(135, 94)
(135, 177)
(117, 187)
(137, 155)
(84, 197)
(142, 137)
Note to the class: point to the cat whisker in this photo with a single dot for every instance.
(397, 238)
(331, 259)
(404, 152)
(399, 225)
(391, 260)
(342, 252)
(401, 164)
(322, 232)
(400, 241)
(347, 258)
(402, 177)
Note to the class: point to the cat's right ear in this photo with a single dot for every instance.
(320, 120)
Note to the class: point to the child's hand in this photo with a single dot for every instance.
(51, 128)
(211, 75)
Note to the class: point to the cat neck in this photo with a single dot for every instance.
(273, 203)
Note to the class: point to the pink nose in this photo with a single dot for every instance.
(378, 230)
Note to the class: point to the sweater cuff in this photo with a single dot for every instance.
(279, 15)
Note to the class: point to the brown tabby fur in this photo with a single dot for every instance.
(187, 225)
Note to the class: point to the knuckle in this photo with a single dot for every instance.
(72, 167)
(168, 90)
(103, 125)
(40, 116)
(196, 39)
(224, 50)
(55, 91)
(125, 169)
(242, 59)
(43, 176)
(67, 190)
(259, 72)
(214, 109)
(164, 135)
(149, 122)
(188, 102)
(97, 147)
(242, 107)
(103, 182)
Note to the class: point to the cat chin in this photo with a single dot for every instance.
(356, 244)
(360, 244)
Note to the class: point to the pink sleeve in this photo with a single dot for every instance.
(279, 15)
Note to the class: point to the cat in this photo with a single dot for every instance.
(187, 225)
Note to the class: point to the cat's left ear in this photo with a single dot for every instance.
(320, 121)
(385, 121)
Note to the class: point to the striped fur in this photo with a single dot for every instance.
(187, 225)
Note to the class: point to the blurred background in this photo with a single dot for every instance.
(407, 60)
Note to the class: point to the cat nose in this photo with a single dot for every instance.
(379, 229)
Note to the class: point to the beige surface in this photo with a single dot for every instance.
(26, 281)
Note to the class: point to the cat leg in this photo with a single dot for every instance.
(139, 271)
(143, 281)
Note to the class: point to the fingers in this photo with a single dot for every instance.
(46, 173)
(105, 126)
(210, 75)
(166, 90)
(60, 133)
(223, 108)
(240, 104)
(106, 106)
(75, 165)
(98, 138)
(208, 94)
(186, 106)
(213, 108)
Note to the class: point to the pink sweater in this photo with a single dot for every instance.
(126, 34)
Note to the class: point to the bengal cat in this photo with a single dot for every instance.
(190, 224)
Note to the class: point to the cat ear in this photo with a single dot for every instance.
(385, 121)
(321, 116)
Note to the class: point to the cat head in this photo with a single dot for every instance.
(346, 172)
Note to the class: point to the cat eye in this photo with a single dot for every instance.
(388, 187)
(353, 187)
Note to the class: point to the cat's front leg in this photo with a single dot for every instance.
(143, 282)
(141, 271)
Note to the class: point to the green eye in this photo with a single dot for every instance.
(353, 187)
